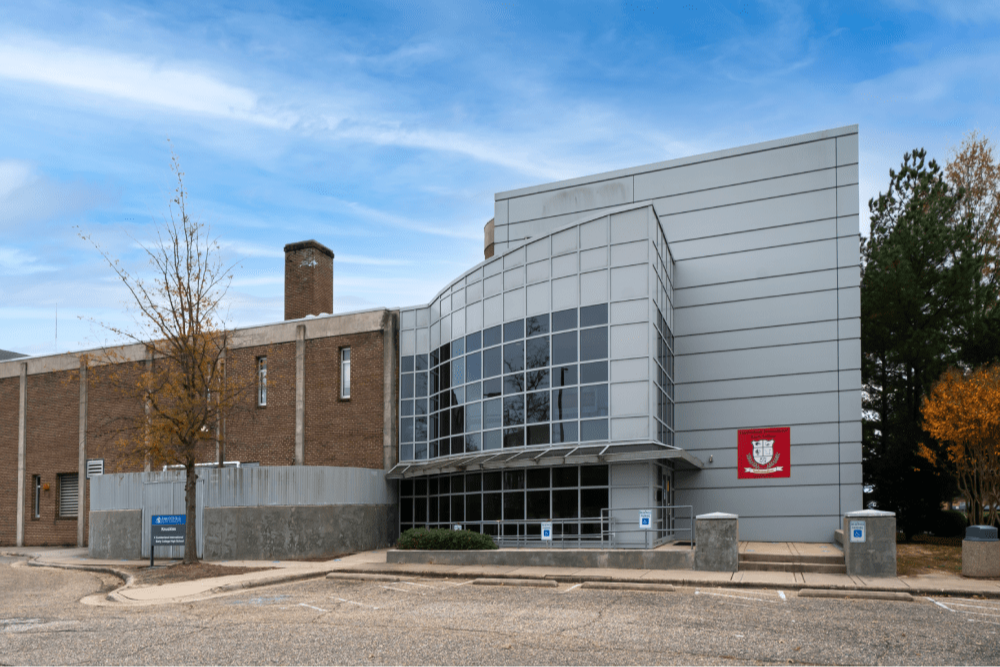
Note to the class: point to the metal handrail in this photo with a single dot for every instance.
(668, 532)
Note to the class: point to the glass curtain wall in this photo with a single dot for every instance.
(535, 381)
(510, 503)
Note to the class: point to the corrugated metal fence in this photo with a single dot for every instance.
(163, 492)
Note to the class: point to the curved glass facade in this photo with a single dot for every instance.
(531, 381)
(565, 339)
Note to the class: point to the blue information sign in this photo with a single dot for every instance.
(170, 520)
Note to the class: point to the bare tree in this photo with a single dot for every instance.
(185, 390)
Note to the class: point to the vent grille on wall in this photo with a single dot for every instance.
(69, 486)
(95, 467)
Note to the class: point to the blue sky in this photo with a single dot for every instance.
(383, 129)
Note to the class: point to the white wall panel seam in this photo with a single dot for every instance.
(755, 249)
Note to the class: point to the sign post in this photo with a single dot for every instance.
(167, 530)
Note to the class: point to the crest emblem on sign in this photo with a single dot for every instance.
(762, 459)
(763, 451)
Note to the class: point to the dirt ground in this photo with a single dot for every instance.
(927, 555)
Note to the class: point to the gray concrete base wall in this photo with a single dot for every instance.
(115, 534)
(980, 559)
(637, 559)
(718, 542)
(876, 556)
(300, 531)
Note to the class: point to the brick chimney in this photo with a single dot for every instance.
(308, 279)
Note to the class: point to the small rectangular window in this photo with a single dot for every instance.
(261, 381)
(37, 485)
(345, 372)
(69, 499)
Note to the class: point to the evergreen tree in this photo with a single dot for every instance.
(919, 289)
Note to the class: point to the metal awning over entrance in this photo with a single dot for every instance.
(498, 459)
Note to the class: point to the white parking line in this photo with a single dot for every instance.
(353, 602)
(781, 594)
(303, 604)
(572, 587)
(940, 605)
(410, 583)
(976, 608)
(401, 590)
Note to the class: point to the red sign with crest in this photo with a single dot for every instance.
(764, 452)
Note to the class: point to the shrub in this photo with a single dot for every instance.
(949, 523)
(443, 539)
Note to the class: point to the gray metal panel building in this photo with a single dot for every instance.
(750, 257)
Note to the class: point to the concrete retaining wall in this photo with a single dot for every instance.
(116, 534)
(302, 531)
(673, 559)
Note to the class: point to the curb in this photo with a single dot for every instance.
(113, 596)
(855, 594)
(537, 583)
(349, 576)
(251, 583)
(628, 586)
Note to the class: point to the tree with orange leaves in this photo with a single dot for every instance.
(183, 392)
(962, 413)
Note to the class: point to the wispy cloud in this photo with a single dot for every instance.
(27, 196)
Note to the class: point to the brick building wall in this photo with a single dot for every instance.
(52, 437)
(263, 434)
(9, 390)
(344, 432)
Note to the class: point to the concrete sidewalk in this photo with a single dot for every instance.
(374, 562)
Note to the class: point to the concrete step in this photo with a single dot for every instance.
(820, 559)
(815, 568)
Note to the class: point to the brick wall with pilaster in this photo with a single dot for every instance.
(263, 434)
(9, 396)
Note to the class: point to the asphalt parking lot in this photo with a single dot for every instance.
(439, 621)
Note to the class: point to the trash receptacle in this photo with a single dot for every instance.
(981, 552)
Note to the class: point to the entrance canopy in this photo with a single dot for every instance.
(552, 456)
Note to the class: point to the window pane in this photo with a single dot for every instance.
(444, 353)
(593, 475)
(564, 348)
(474, 507)
(474, 417)
(420, 428)
(444, 376)
(406, 408)
(513, 506)
(537, 478)
(420, 510)
(444, 506)
(491, 507)
(594, 315)
(420, 487)
(564, 504)
(492, 414)
(492, 440)
(594, 344)
(438, 485)
(564, 476)
(458, 420)
(538, 352)
(513, 437)
(538, 409)
(564, 404)
(538, 504)
(406, 429)
(406, 365)
(420, 406)
(406, 386)
(564, 432)
(513, 410)
(444, 423)
(474, 482)
(594, 401)
(513, 384)
(538, 325)
(457, 348)
(473, 392)
(421, 360)
(473, 367)
(458, 444)
(564, 319)
(420, 450)
(492, 481)
(473, 341)
(492, 388)
(513, 330)
(592, 501)
(594, 430)
(513, 357)
(492, 365)
(594, 372)
(457, 509)
(513, 480)
(406, 452)
(473, 442)
(420, 381)
(564, 375)
(537, 380)
(538, 434)
(491, 336)
(457, 371)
